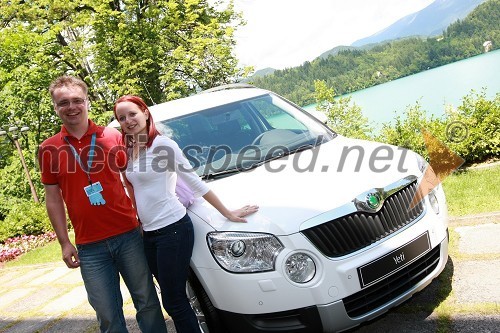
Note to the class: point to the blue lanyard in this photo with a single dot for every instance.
(79, 160)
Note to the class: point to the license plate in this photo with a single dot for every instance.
(392, 262)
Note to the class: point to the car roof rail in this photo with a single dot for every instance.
(228, 86)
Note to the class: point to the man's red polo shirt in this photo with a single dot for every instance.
(59, 166)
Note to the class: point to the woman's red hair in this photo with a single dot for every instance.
(150, 124)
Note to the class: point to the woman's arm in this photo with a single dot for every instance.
(185, 171)
(232, 215)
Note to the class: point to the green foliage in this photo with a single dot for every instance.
(406, 131)
(355, 69)
(13, 179)
(477, 121)
(472, 131)
(159, 50)
(164, 49)
(343, 117)
(167, 49)
(24, 218)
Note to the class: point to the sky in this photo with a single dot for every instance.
(286, 33)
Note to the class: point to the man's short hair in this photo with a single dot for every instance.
(67, 81)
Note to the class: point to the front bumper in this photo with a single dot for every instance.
(352, 310)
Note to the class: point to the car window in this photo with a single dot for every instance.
(217, 137)
(276, 116)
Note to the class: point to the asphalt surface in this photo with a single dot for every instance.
(465, 298)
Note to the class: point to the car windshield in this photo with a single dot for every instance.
(239, 136)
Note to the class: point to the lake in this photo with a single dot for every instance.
(434, 89)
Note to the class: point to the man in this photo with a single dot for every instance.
(80, 170)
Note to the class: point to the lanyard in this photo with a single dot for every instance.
(79, 160)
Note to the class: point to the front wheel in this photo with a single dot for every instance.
(207, 316)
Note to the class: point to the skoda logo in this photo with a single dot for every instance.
(373, 200)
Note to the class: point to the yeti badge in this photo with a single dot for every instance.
(93, 192)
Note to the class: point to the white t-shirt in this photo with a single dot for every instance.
(154, 175)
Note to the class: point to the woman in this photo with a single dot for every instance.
(168, 230)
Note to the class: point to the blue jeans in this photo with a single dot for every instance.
(168, 251)
(101, 265)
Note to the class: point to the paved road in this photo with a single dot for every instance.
(464, 299)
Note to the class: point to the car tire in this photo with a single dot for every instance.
(207, 315)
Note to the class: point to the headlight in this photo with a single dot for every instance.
(244, 252)
(434, 201)
(421, 162)
(300, 268)
(432, 181)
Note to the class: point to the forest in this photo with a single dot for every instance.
(356, 69)
(160, 50)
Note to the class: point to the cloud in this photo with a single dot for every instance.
(285, 33)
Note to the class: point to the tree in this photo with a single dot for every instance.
(164, 49)
(160, 50)
(343, 117)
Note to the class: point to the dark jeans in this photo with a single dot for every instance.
(101, 265)
(168, 251)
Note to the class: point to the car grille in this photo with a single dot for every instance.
(392, 286)
(355, 231)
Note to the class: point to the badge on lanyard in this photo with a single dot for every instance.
(93, 190)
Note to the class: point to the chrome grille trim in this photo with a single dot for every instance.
(347, 234)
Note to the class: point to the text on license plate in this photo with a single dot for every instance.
(394, 261)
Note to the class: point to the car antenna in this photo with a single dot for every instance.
(149, 95)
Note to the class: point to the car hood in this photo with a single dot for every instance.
(294, 189)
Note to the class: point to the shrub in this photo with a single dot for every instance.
(24, 218)
(480, 122)
(471, 131)
(407, 130)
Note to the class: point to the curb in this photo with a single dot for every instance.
(492, 217)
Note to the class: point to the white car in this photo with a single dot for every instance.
(338, 239)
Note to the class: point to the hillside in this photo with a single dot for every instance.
(355, 69)
(430, 21)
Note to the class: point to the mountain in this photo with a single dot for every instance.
(263, 72)
(341, 48)
(430, 21)
(336, 50)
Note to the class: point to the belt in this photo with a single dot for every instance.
(165, 228)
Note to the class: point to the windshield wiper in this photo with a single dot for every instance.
(256, 164)
(281, 154)
(213, 175)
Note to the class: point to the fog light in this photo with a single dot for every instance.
(300, 268)
(434, 202)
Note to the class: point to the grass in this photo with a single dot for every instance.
(467, 192)
(41, 255)
(473, 191)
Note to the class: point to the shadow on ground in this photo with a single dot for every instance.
(65, 325)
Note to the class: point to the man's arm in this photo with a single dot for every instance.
(57, 215)
(129, 188)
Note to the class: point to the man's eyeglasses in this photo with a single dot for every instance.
(66, 103)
